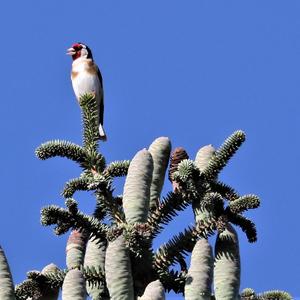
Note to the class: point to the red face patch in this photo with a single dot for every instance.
(76, 55)
(77, 47)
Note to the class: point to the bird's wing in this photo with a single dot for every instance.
(101, 104)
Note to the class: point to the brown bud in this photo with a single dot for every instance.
(178, 155)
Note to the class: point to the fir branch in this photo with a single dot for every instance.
(95, 161)
(245, 224)
(138, 239)
(213, 203)
(113, 209)
(248, 294)
(223, 154)
(141, 265)
(100, 182)
(88, 159)
(244, 203)
(117, 168)
(28, 289)
(100, 211)
(118, 199)
(90, 116)
(64, 219)
(37, 282)
(63, 149)
(172, 280)
(275, 295)
(186, 170)
(76, 184)
(93, 275)
(221, 223)
(184, 242)
(166, 211)
(106, 203)
(51, 279)
(225, 190)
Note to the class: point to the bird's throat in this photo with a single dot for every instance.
(76, 55)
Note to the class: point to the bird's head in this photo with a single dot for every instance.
(80, 50)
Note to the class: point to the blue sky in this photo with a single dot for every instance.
(193, 71)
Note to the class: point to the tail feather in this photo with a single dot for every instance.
(102, 134)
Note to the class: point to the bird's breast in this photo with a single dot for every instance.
(85, 82)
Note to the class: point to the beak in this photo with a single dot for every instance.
(71, 51)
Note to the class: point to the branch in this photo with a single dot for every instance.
(95, 162)
(63, 149)
(90, 115)
(186, 170)
(105, 199)
(221, 157)
(117, 168)
(173, 280)
(64, 219)
(166, 211)
(38, 283)
(245, 224)
(244, 203)
(184, 242)
(275, 295)
(87, 159)
(225, 190)
(73, 185)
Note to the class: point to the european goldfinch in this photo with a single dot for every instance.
(86, 78)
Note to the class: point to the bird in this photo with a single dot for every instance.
(86, 78)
